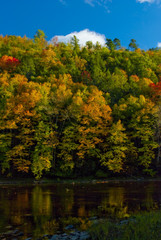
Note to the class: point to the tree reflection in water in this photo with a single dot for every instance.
(45, 209)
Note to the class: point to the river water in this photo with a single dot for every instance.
(45, 209)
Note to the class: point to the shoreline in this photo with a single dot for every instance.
(30, 181)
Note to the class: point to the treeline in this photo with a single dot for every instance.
(72, 111)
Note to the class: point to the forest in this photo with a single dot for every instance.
(74, 111)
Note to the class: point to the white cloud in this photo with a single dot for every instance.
(63, 2)
(101, 3)
(84, 36)
(159, 45)
(142, 1)
(90, 2)
(149, 1)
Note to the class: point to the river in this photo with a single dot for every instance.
(46, 209)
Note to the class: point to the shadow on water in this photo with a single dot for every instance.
(46, 209)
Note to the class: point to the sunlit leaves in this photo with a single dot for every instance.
(115, 148)
(42, 155)
(70, 110)
(139, 115)
(8, 63)
(21, 98)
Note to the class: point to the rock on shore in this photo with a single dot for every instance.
(74, 235)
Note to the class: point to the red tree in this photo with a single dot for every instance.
(8, 63)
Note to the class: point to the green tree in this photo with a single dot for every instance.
(115, 148)
(40, 39)
(133, 45)
(117, 43)
(110, 44)
(139, 116)
(75, 44)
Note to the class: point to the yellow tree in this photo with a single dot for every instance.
(45, 135)
(139, 116)
(115, 148)
(18, 118)
(90, 117)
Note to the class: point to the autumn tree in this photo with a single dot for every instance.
(115, 149)
(18, 119)
(139, 116)
(68, 110)
(40, 39)
(156, 94)
(8, 63)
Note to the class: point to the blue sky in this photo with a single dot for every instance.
(123, 19)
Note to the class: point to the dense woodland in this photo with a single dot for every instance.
(71, 111)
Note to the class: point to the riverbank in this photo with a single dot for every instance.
(73, 235)
(47, 209)
(12, 181)
(146, 226)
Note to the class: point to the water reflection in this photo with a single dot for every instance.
(45, 209)
(114, 204)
